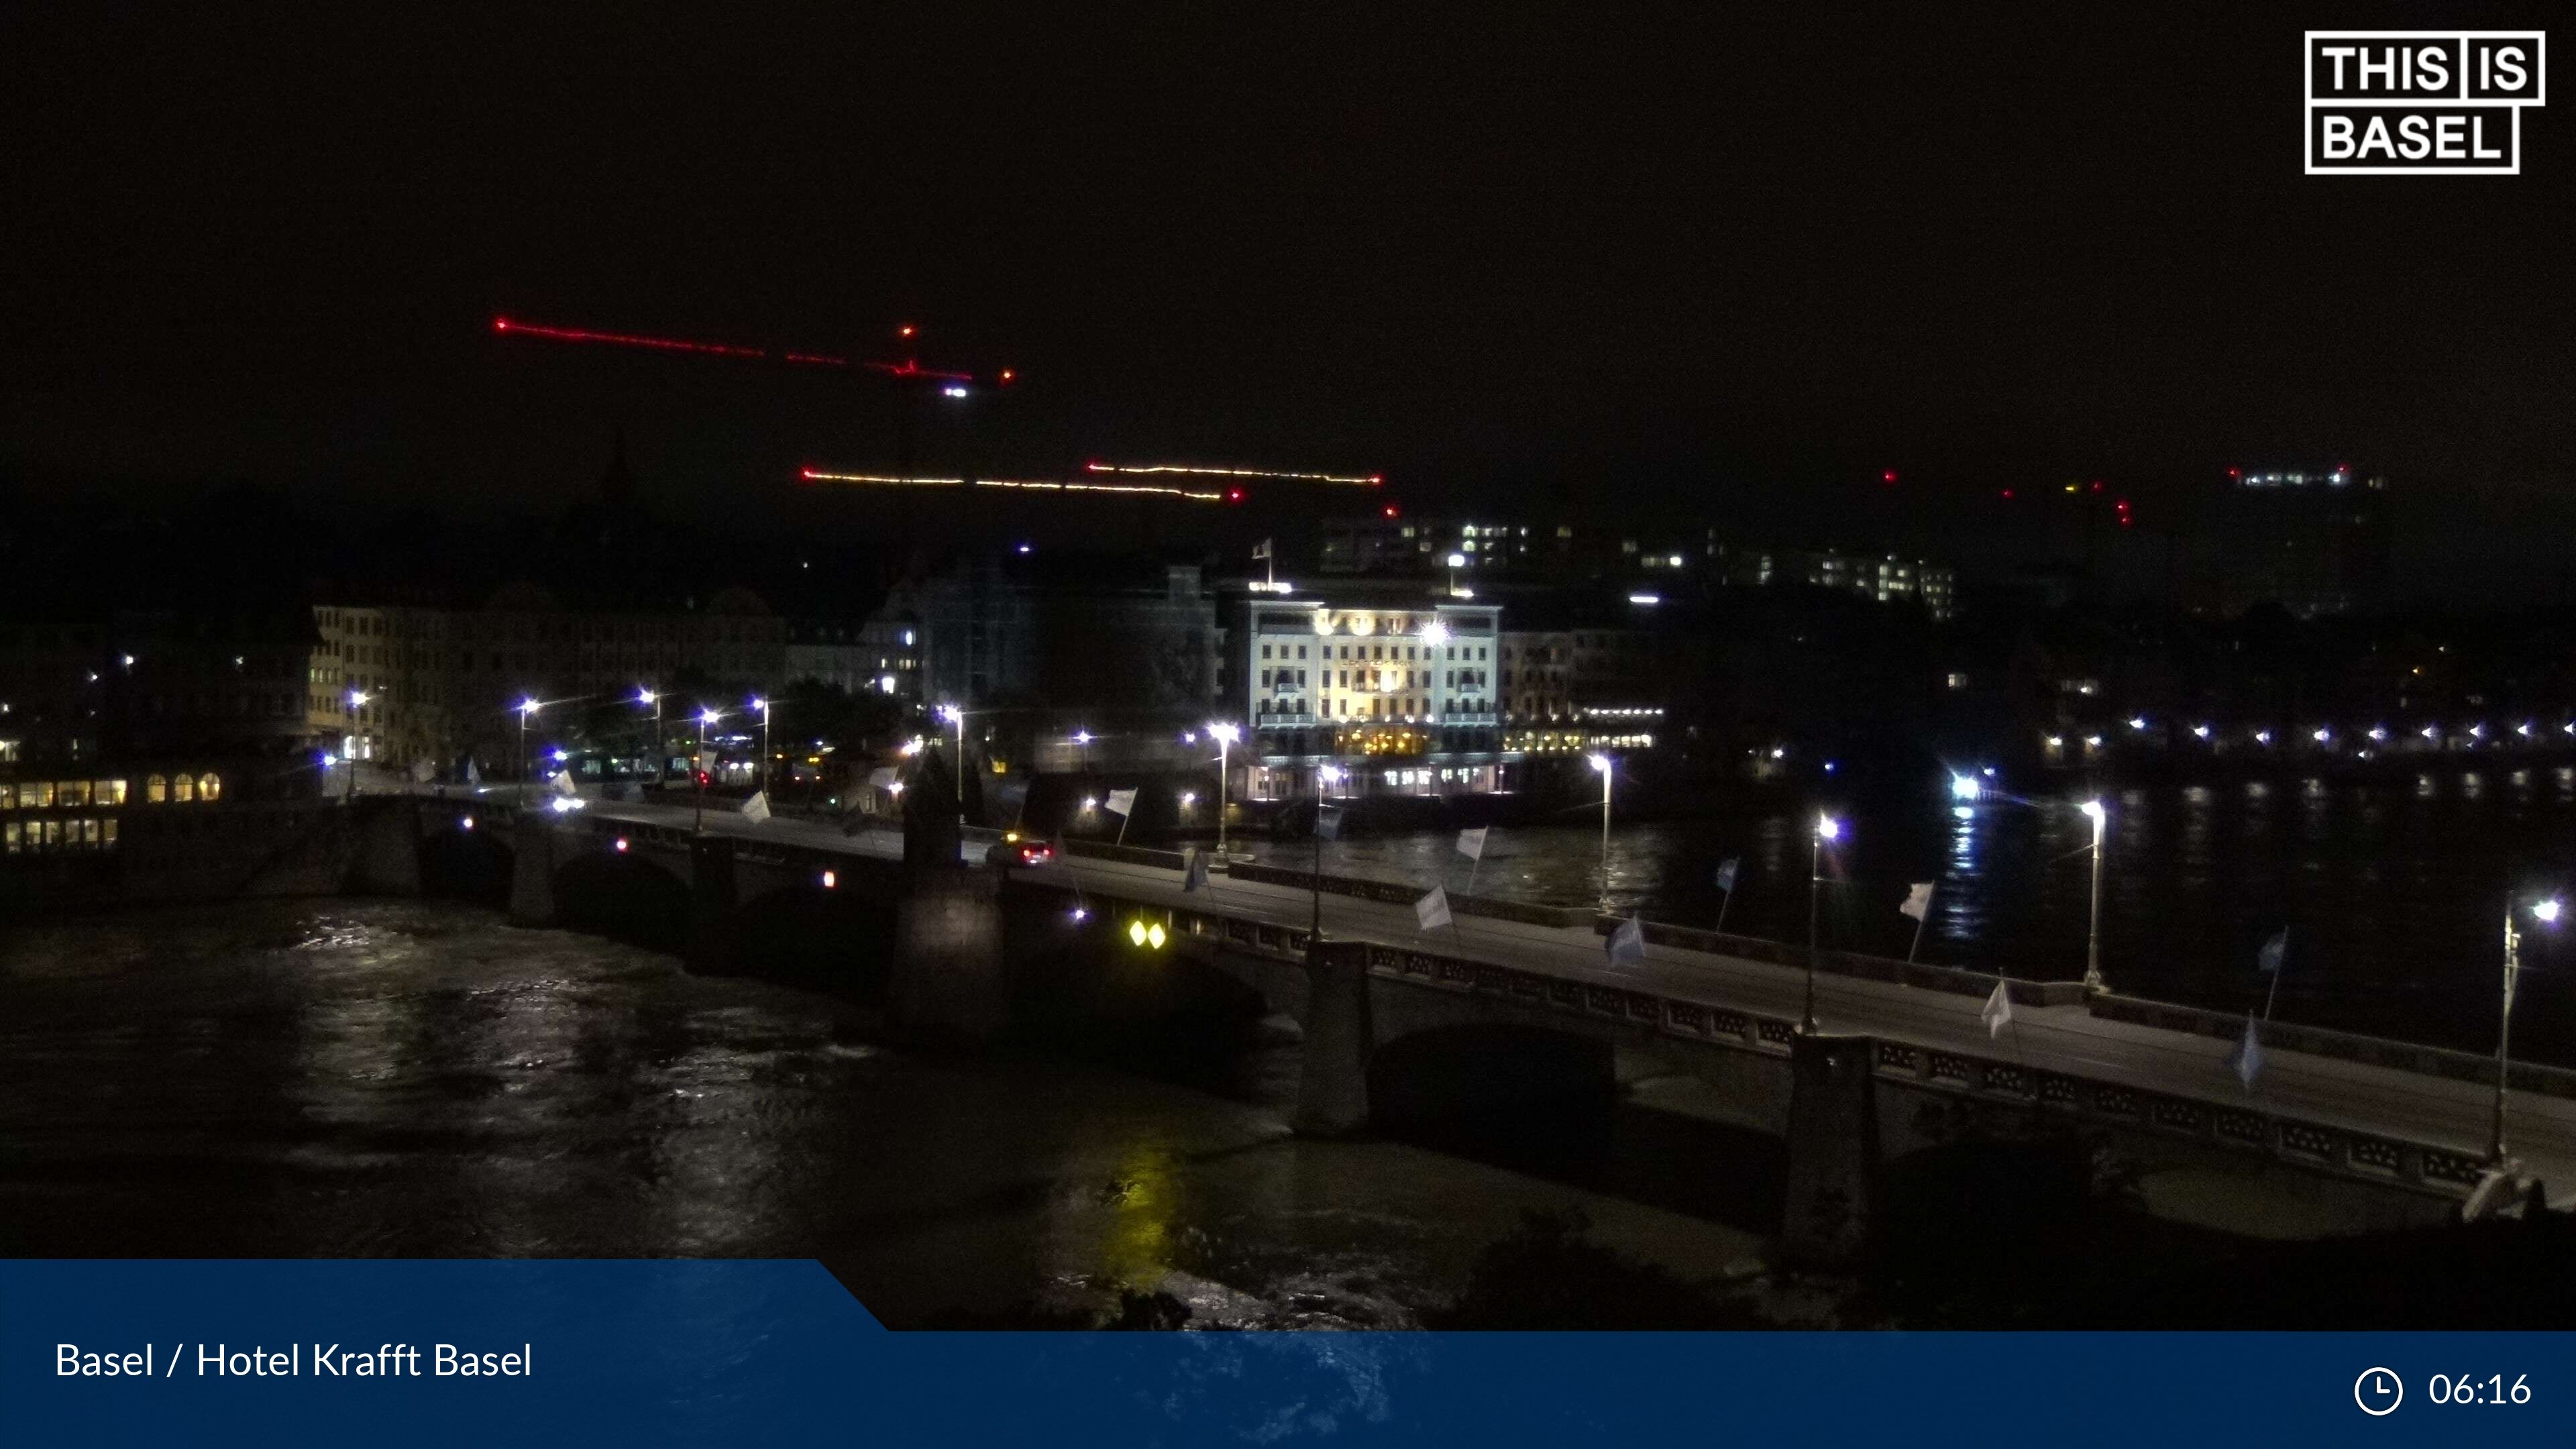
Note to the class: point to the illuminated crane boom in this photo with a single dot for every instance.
(908, 370)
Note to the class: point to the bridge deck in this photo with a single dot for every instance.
(2356, 1097)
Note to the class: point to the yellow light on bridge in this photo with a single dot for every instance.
(1149, 934)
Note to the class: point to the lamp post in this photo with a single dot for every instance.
(2545, 912)
(1605, 765)
(1226, 734)
(957, 717)
(2094, 812)
(660, 763)
(1827, 828)
(527, 712)
(706, 717)
(357, 699)
(1325, 775)
(762, 705)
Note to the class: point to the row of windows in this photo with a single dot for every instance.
(77, 833)
(84, 794)
(1405, 707)
(1416, 653)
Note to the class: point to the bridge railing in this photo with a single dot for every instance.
(1400, 893)
(2347, 1046)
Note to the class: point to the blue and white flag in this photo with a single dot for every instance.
(1328, 822)
(2274, 949)
(1471, 843)
(1628, 943)
(2247, 1060)
(1194, 868)
(1726, 873)
(1432, 910)
(1918, 901)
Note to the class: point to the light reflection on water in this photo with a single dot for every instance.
(354, 1078)
(2391, 892)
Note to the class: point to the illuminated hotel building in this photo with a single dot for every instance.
(1395, 688)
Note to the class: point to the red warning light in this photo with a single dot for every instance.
(500, 324)
(2232, 473)
(1007, 374)
(1888, 477)
(2008, 493)
(1234, 495)
(904, 331)
(1391, 511)
(2097, 485)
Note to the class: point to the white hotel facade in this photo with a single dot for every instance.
(1397, 692)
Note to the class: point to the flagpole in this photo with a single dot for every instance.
(1722, 907)
(1919, 923)
(2277, 968)
(1122, 823)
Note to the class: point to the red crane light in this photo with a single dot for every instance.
(2008, 493)
(908, 368)
(1391, 511)
(1234, 495)
(1888, 477)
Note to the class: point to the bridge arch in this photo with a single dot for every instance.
(474, 864)
(623, 895)
(831, 938)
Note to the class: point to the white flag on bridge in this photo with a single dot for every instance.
(2247, 1059)
(1121, 802)
(1918, 901)
(1998, 1012)
(1628, 943)
(1432, 910)
(473, 775)
(1471, 843)
(422, 771)
(756, 809)
(562, 784)
(1194, 868)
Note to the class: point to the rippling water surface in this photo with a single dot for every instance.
(419, 1079)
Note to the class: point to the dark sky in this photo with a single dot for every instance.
(1708, 260)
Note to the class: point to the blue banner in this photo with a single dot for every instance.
(581, 1352)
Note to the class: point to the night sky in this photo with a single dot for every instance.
(1692, 262)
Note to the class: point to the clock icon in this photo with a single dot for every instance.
(2378, 1392)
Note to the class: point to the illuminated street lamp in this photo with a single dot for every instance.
(1827, 828)
(2545, 912)
(2094, 812)
(1325, 777)
(527, 711)
(706, 717)
(646, 696)
(957, 717)
(762, 705)
(1963, 787)
(1225, 734)
(1607, 766)
(357, 699)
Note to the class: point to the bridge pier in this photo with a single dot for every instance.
(386, 858)
(532, 872)
(711, 906)
(1827, 1212)
(1332, 1086)
(948, 976)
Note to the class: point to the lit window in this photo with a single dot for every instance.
(183, 789)
(210, 787)
(156, 790)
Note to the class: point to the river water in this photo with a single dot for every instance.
(411, 1078)
(2393, 892)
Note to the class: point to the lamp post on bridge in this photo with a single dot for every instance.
(2545, 912)
(1606, 766)
(1325, 775)
(2094, 812)
(527, 711)
(357, 700)
(957, 716)
(1826, 828)
(661, 761)
(1226, 734)
(706, 717)
(762, 704)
